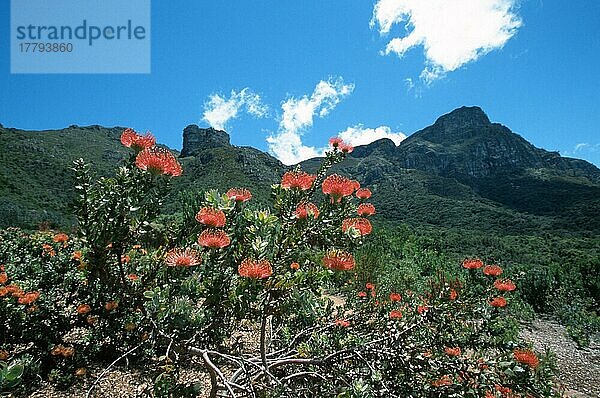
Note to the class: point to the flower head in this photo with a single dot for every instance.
(338, 260)
(3, 278)
(304, 209)
(498, 302)
(297, 180)
(80, 372)
(214, 238)
(362, 294)
(335, 141)
(111, 305)
(442, 381)
(158, 161)
(472, 263)
(29, 298)
(338, 187)
(452, 352)
(395, 297)
(182, 258)
(505, 285)
(526, 357)
(239, 194)
(365, 209)
(136, 141)
(295, 266)
(453, 294)
(346, 148)
(492, 270)
(83, 309)
(395, 314)
(255, 269)
(363, 193)
(421, 309)
(342, 323)
(362, 225)
(211, 217)
(60, 238)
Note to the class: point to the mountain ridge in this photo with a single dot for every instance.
(462, 161)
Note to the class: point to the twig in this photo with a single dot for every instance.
(109, 367)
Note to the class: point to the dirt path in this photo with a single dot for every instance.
(579, 370)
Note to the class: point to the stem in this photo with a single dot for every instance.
(263, 329)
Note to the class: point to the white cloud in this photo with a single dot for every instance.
(360, 135)
(298, 115)
(452, 32)
(218, 110)
(586, 147)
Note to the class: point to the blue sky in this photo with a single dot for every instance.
(314, 69)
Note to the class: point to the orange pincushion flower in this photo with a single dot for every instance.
(453, 295)
(158, 161)
(29, 298)
(14, 291)
(492, 270)
(255, 269)
(83, 309)
(421, 309)
(338, 261)
(182, 258)
(61, 238)
(363, 193)
(342, 323)
(346, 148)
(365, 209)
(63, 351)
(452, 352)
(505, 285)
(338, 187)
(4, 355)
(498, 302)
(395, 314)
(335, 141)
(239, 194)
(395, 297)
(362, 225)
(3, 278)
(362, 294)
(303, 210)
(370, 285)
(297, 180)
(136, 141)
(442, 381)
(211, 217)
(77, 255)
(111, 305)
(215, 239)
(295, 266)
(49, 250)
(472, 263)
(133, 277)
(80, 372)
(526, 357)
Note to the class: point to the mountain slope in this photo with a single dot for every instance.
(461, 172)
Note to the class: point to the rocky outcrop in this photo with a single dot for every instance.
(464, 143)
(196, 139)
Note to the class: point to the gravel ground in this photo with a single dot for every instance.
(579, 370)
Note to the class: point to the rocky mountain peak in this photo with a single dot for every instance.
(197, 139)
(466, 117)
